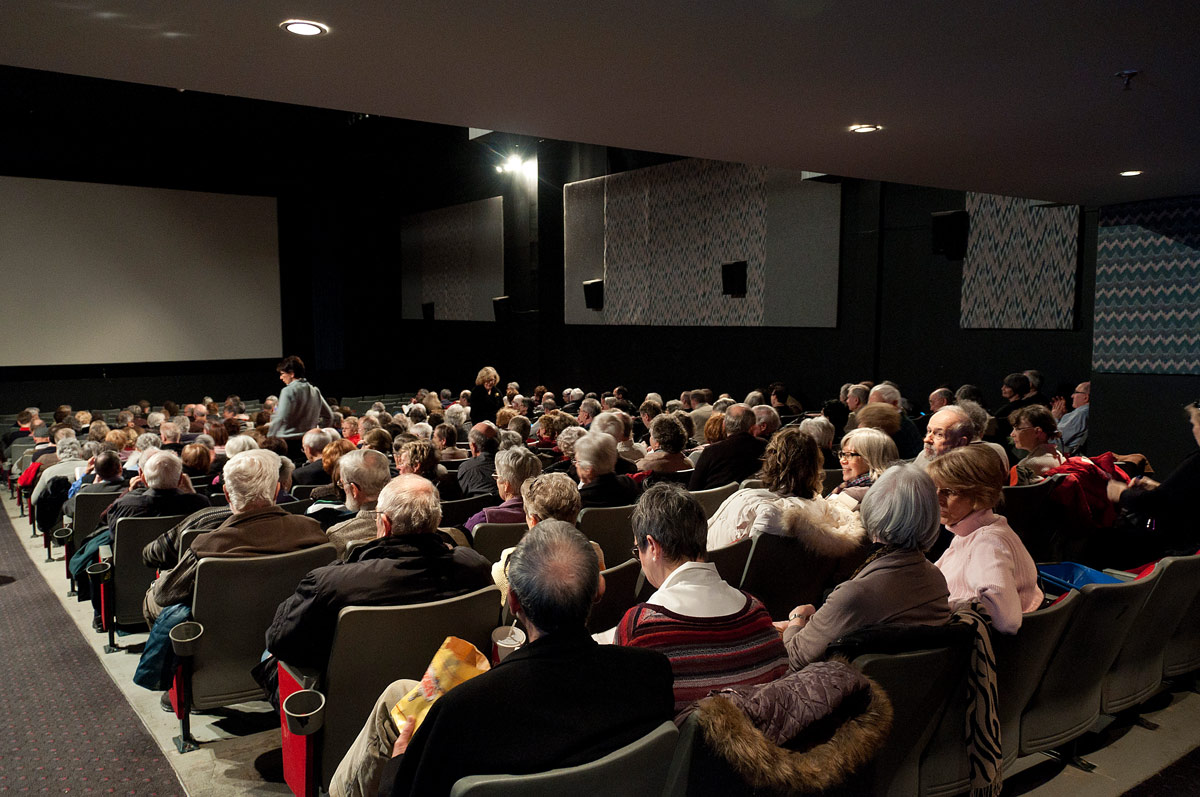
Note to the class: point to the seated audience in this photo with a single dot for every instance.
(565, 442)
(313, 471)
(559, 701)
(197, 460)
(419, 457)
(986, 560)
(619, 426)
(105, 477)
(896, 584)
(1073, 425)
(1034, 432)
(789, 503)
(822, 430)
(350, 429)
(363, 473)
(864, 455)
(766, 421)
(475, 474)
(330, 455)
(715, 635)
(981, 421)
(599, 485)
(665, 452)
(948, 428)
(407, 563)
(550, 496)
(514, 466)
(445, 440)
(735, 458)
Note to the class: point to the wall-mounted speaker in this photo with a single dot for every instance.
(593, 294)
(502, 308)
(733, 279)
(427, 311)
(950, 230)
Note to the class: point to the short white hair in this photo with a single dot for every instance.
(597, 451)
(820, 429)
(162, 470)
(610, 424)
(411, 503)
(170, 432)
(251, 478)
(422, 431)
(456, 415)
(886, 393)
(240, 443)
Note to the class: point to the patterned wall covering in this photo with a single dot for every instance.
(454, 257)
(1019, 269)
(1148, 288)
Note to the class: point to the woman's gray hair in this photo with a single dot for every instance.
(69, 448)
(162, 470)
(90, 449)
(674, 518)
(978, 415)
(456, 415)
(900, 510)
(754, 398)
(155, 419)
(555, 575)
(147, 440)
(422, 431)
(875, 446)
(720, 405)
(251, 478)
(568, 437)
(514, 466)
(510, 439)
(654, 397)
(551, 495)
(610, 424)
(820, 429)
(240, 443)
(596, 451)
(206, 440)
(669, 433)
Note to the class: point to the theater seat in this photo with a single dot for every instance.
(490, 539)
(620, 585)
(712, 499)
(609, 527)
(731, 560)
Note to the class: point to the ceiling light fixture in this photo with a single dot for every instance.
(1131, 173)
(865, 128)
(304, 27)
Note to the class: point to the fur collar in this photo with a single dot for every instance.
(827, 528)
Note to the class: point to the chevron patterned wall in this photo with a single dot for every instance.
(1148, 288)
(1019, 269)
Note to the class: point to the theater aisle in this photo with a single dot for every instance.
(70, 714)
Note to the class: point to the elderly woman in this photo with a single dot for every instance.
(665, 454)
(329, 460)
(419, 457)
(514, 466)
(986, 560)
(715, 635)
(896, 584)
(486, 400)
(565, 441)
(789, 503)
(350, 429)
(864, 455)
(599, 485)
(1034, 431)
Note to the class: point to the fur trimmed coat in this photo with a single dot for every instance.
(828, 528)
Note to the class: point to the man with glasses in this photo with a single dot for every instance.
(1073, 425)
(364, 473)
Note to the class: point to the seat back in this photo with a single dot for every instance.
(298, 507)
(131, 578)
(88, 508)
(186, 537)
(1032, 515)
(711, 500)
(455, 513)
(1182, 653)
(1067, 701)
(235, 600)
(731, 560)
(751, 484)
(492, 538)
(451, 464)
(637, 768)
(375, 645)
(831, 479)
(1020, 661)
(1137, 672)
(620, 593)
(783, 573)
(302, 491)
(609, 527)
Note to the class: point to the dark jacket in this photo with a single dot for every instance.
(610, 490)
(312, 473)
(524, 715)
(733, 459)
(391, 571)
(163, 553)
(475, 475)
(154, 503)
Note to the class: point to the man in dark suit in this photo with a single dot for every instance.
(104, 478)
(475, 474)
(559, 701)
(313, 472)
(737, 457)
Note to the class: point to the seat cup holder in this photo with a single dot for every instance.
(185, 638)
(304, 711)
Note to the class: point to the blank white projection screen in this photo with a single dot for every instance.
(114, 274)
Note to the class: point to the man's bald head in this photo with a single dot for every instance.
(949, 428)
(484, 438)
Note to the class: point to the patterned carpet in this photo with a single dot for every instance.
(64, 726)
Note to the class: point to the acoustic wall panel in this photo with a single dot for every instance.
(659, 236)
(454, 258)
(1020, 265)
(1148, 288)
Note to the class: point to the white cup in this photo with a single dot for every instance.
(505, 640)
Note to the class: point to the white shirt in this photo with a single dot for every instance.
(694, 589)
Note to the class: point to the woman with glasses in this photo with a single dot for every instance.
(865, 454)
(789, 503)
(1035, 432)
(986, 560)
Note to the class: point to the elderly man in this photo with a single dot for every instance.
(255, 527)
(313, 471)
(171, 434)
(588, 410)
(475, 474)
(595, 461)
(856, 399)
(364, 473)
(766, 421)
(1073, 425)
(407, 563)
(937, 399)
(70, 457)
(619, 427)
(737, 457)
(907, 439)
(701, 410)
(105, 477)
(514, 466)
(301, 405)
(559, 701)
(949, 428)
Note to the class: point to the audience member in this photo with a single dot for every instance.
(514, 466)
(665, 453)
(907, 438)
(864, 455)
(475, 474)
(1073, 425)
(595, 458)
(735, 458)
(1034, 432)
(363, 473)
(313, 471)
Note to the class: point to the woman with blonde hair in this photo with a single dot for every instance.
(986, 560)
(864, 455)
(486, 398)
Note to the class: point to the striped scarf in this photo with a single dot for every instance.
(983, 718)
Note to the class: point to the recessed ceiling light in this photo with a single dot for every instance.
(865, 128)
(304, 27)
(1131, 173)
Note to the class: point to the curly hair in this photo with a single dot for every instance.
(793, 464)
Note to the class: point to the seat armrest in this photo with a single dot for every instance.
(1121, 574)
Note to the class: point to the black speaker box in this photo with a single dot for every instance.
(733, 279)
(593, 294)
(950, 230)
(427, 311)
(502, 307)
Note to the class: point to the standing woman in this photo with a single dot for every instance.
(486, 400)
(986, 560)
(301, 405)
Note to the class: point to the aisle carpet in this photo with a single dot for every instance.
(64, 726)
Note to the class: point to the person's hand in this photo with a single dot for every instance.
(1145, 482)
(405, 737)
(1115, 488)
(90, 466)
(799, 616)
(1058, 408)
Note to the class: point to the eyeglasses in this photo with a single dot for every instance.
(847, 454)
(947, 493)
(1021, 429)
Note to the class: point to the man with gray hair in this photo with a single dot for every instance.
(949, 428)
(523, 715)
(856, 399)
(475, 474)
(766, 421)
(170, 433)
(70, 457)
(407, 563)
(313, 471)
(737, 457)
(364, 473)
(588, 410)
(255, 527)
